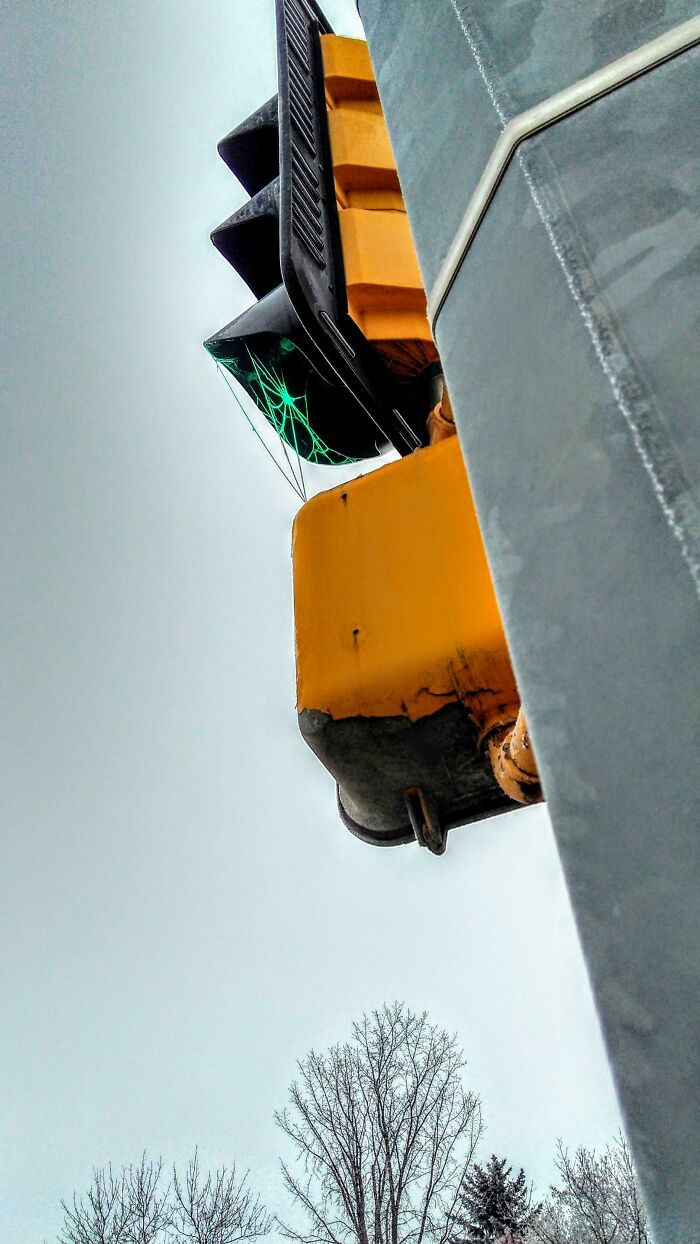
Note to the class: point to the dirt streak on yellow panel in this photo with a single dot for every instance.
(395, 610)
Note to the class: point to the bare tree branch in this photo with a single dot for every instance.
(102, 1216)
(217, 1209)
(149, 1202)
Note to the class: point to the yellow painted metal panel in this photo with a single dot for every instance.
(384, 286)
(347, 68)
(395, 610)
(380, 257)
(385, 290)
(362, 155)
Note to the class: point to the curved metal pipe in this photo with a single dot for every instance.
(513, 761)
(441, 420)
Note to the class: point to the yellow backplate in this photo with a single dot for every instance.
(394, 605)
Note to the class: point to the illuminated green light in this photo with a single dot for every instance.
(287, 412)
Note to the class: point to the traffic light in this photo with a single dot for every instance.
(336, 352)
(405, 689)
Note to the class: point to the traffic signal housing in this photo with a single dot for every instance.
(336, 352)
(405, 689)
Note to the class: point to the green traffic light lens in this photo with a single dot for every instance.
(282, 383)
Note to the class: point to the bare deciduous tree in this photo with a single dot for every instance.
(598, 1201)
(136, 1208)
(217, 1209)
(102, 1215)
(383, 1132)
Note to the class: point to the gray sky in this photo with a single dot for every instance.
(183, 915)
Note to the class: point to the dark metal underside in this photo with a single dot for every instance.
(375, 760)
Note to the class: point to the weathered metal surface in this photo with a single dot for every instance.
(569, 342)
(375, 760)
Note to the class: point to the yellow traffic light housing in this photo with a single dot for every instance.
(405, 689)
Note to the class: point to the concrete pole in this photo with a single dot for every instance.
(569, 341)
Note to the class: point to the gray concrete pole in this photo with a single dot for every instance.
(569, 340)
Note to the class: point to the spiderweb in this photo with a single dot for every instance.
(287, 412)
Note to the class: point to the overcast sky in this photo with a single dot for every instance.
(183, 914)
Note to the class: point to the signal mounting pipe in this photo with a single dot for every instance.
(513, 761)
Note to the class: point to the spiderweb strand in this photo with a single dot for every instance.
(300, 480)
(292, 482)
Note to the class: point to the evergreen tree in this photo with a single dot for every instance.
(493, 1205)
